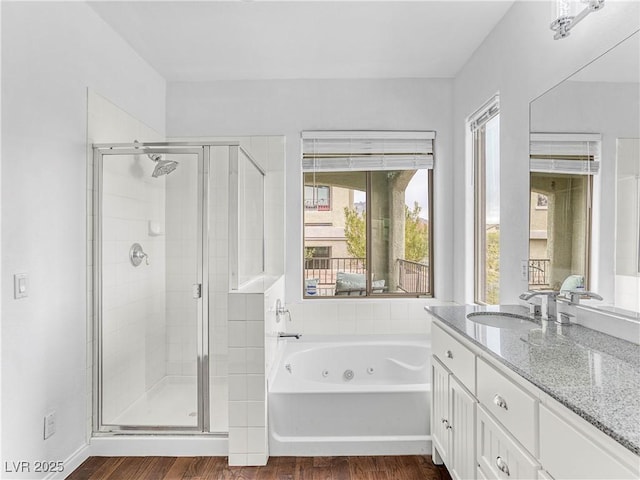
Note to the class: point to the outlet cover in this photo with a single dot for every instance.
(49, 424)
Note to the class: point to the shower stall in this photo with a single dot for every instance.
(176, 226)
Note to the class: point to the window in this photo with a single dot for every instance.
(317, 198)
(376, 238)
(485, 126)
(317, 257)
(562, 170)
(542, 201)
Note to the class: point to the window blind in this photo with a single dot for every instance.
(572, 153)
(484, 114)
(331, 151)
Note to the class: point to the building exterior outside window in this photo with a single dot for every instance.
(375, 239)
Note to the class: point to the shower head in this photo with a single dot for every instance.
(163, 167)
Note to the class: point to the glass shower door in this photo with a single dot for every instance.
(149, 233)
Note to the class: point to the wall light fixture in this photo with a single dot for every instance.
(566, 19)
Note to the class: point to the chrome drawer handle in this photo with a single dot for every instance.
(449, 354)
(500, 402)
(502, 465)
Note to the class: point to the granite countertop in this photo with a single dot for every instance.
(595, 375)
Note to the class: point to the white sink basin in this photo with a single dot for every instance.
(501, 320)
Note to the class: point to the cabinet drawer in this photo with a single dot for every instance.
(455, 356)
(509, 404)
(568, 453)
(499, 455)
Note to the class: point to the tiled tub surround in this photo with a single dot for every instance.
(593, 374)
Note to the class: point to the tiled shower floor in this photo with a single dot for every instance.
(172, 402)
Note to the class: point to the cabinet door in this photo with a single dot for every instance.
(440, 409)
(499, 455)
(462, 432)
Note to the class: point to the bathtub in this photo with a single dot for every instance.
(366, 395)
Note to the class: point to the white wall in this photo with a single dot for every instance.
(520, 60)
(286, 107)
(51, 53)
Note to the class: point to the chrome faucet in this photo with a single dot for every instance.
(549, 309)
(576, 295)
(281, 311)
(289, 335)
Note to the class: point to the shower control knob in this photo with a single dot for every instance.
(136, 255)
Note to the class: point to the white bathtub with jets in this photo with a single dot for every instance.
(351, 395)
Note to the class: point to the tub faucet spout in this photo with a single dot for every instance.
(289, 335)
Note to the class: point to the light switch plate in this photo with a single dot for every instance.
(20, 285)
(524, 269)
(49, 424)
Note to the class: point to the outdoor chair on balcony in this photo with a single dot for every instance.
(355, 284)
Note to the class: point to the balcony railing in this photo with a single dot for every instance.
(413, 277)
(326, 269)
(538, 272)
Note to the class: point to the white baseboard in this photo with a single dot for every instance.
(340, 446)
(160, 446)
(71, 463)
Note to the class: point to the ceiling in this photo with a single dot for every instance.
(222, 40)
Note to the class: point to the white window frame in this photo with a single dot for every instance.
(476, 124)
(366, 152)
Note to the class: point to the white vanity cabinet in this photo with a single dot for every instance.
(495, 425)
(453, 419)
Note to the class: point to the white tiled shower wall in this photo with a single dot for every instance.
(181, 226)
(269, 151)
(251, 213)
(133, 298)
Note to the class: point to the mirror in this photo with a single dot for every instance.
(585, 171)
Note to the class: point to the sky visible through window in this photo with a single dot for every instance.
(416, 192)
(492, 175)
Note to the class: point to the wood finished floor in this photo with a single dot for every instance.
(415, 467)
